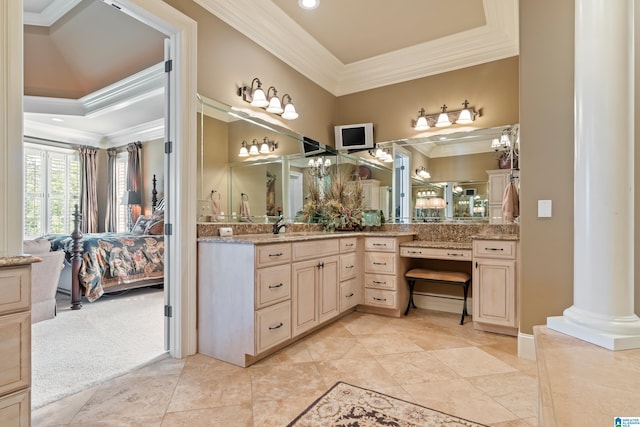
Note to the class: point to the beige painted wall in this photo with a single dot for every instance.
(491, 88)
(215, 158)
(228, 59)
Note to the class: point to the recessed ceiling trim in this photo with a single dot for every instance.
(496, 40)
(50, 14)
(62, 134)
(142, 132)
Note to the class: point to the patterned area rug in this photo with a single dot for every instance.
(347, 405)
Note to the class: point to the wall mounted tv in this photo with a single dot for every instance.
(356, 137)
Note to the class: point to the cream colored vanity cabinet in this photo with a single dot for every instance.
(495, 286)
(15, 345)
(351, 290)
(498, 180)
(385, 288)
(244, 299)
(315, 290)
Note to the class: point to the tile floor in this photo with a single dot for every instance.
(425, 357)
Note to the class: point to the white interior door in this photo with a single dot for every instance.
(296, 198)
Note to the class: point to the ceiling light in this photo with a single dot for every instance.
(309, 4)
(443, 118)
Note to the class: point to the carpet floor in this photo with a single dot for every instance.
(81, 348)
(348, 405)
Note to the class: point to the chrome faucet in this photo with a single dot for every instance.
(278, 225)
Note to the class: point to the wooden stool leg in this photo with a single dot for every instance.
(411, 303)
(465, 288)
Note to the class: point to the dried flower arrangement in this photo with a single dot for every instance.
(340, 205)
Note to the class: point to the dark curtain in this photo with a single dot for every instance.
(111, 216)
(89, 185)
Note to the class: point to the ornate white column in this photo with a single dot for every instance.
(603, 311)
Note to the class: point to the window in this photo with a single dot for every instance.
(121, 186)
(51, 189)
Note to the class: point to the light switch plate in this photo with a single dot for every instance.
(544, 208)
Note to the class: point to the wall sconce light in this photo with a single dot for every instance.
(267, 146)
(445, 118)
(319, 167)
(269, 101)
(382, 154)
(423, 173)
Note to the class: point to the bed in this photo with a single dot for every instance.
(100, 263)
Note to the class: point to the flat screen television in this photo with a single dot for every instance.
(309, 147)
(354, 137)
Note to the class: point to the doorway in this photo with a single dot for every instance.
(296, 198)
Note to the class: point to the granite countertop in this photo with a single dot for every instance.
(16, 260)
(436, 245)
(495, 237)
(264, 238)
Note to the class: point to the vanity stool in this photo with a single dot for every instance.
(450, 277)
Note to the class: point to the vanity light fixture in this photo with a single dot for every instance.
(423, 173)
(269, 101)
(289, 109)
(274, 102)
(267, 146)
(243, 150)
(253, 151)
(382, 154)
(464, 116)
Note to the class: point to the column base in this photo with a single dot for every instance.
(608, 340)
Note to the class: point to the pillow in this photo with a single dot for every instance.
(141, 224)
(155, 228)
(36, 246)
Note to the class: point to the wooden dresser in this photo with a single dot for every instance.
(15, 340)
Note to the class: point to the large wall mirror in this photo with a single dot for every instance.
(276, 181)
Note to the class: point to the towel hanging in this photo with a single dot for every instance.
(245, 212)
(510, 203)
(215, 207)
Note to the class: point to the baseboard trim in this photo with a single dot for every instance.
(446, 303)
(526, 346)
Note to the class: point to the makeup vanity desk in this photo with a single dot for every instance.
(492, 261)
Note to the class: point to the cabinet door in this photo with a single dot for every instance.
(494, 292)
(303, 307)
(329, 302)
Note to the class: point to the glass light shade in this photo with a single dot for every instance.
(388, 158)
(274, 105)
(289, 112)
(327, 163)
(258, 98)
(243, 152)
(438, 203)
(421, 123)
(309, 4)
(465, 117)
(505, 141)
(421, 203)
(254, 150)
(264, 148)
(495, 143)
(443, 120)
(311, 163)
(380, 153)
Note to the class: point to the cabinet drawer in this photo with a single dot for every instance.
(436, 253)
(348, 244)
(273, 325)
(348, 266)
(350, 294)
(273, 284)
(387, 244)
(315, 249)
(377, 262)
(15, 409)
(279, 253)
(15, 352)
(15, 289)
(495, 248)
(380, 298)
(380, 281)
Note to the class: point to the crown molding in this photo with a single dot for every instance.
(497, 39)
(144, 132)
(61, 134)
(50, 14)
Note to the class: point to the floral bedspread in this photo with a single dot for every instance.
(114, 259)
